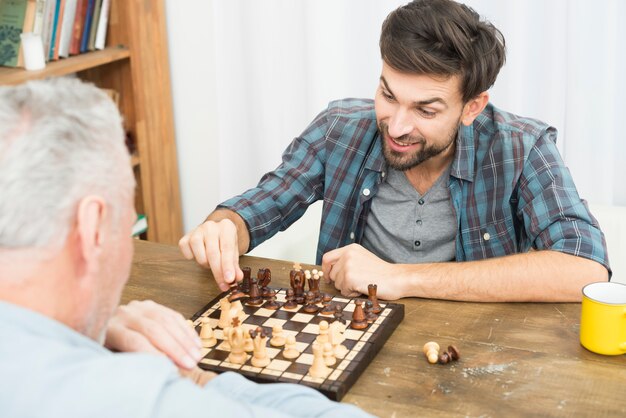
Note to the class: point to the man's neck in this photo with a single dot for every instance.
(424, 175)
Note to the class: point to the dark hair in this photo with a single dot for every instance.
(443, 38)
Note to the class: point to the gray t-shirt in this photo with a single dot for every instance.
(406, 227)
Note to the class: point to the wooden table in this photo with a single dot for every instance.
(517, 359)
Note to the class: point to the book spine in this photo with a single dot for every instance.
(12, 15)
(77, 30)
(29, 19)
(87, 26)
(39, 16)
(103, 25)
(48, 23)
(55, 31)
(67, 27)
(94, 25)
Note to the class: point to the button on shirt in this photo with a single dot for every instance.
(507, 179)
(49, 370)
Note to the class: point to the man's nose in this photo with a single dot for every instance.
(399, 124)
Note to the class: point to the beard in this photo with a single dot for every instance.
(401, 161)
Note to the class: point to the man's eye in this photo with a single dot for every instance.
(427, 113)
(387, 96)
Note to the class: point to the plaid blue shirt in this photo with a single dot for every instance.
(509, 186)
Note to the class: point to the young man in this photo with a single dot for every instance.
(429, 190)
(66, 212)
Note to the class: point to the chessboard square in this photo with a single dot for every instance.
(380, 320)
(349, 308)
(210, 361)
(298, 369)
(256, 320)
(339, 299)
(373, 327)
(385, 312)
(280, 314)
(366, 336)
(305, 359)
(352, 334)
(349, 344)
(351, 355)
(289, 333)
(281, 365)
(294, 326)
(231, 365)
(215, 314)
(312, 329)
(319, 318)
(280, 297)
(301, 346)
(272, 352)
(305, 337)
(248, 327)
(273, 322)
(218, 333)
(335, 374)
(302, 317)
(271, 372)
(205, 351)
(219, 355)
(311, 379)
(294, 376)
(264, 312)
(343, 365)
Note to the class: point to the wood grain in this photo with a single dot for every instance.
(517, 359)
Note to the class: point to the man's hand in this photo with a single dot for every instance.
(197, 375)
(149, 327)
(216, 245)
(352, 268)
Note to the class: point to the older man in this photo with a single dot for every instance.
(66, 211)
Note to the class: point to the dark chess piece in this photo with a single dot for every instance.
(271, 303)
(236, 293)
(314, 286)
(358, 316)
(298, 287)
(290, 300)
(328, 309)
(255, 298)
(339, 314)
(245, 282)
(452, 354)
(370, 316)
(372, 289)
(264, 277)
(310, 306)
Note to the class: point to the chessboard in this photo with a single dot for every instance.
(362, 345)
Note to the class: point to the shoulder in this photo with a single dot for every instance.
(351, 108)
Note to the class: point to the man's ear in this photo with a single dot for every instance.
(90, 229)
(474, 107)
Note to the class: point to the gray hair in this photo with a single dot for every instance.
(60, 140)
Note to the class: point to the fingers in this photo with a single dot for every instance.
(215, 245)
(328, 263)
(197, 375)
(149, 327)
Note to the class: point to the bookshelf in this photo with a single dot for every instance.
(135, 64)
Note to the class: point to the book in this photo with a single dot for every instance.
(77, 31)
(84, 39)
(140, 226)
(94, 25)
(47, 25)
(29, 20)
(12, 14)
(53, 54)
(103, 25)
(39, 14)
(67, 28)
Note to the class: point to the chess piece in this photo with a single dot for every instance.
(358, 316)
(452, 354)
(290, 351)
(248, 345)
(370, 316)
(259, 339)
(318, 368)
(278, 338)
(245, 282)
(298, 286)
(339, 314)
(271, 303)
(264, 277)
(327, 309)
(236, 339)
(236, 310)
(225, 318)
(329, 355)
(290, 303)
(310, 306)
(336, 338)
(431, 350)
(255, 298)
(372, 290)
(322, 337)
(314, 286)
(206, 333)
(236, 293)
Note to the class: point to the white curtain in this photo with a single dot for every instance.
(268, 67)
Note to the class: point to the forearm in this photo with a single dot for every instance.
(538, 276)
(243, 235)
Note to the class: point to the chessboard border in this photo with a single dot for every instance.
(337, 389)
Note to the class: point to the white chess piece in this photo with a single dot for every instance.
(206, 334)
(336, 338)
(318, 368)
(278, 339)
(322, 338)
(290, 351)
(225, 318)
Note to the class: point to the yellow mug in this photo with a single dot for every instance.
(603, 318)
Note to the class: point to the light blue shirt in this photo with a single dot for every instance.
(49, 370)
